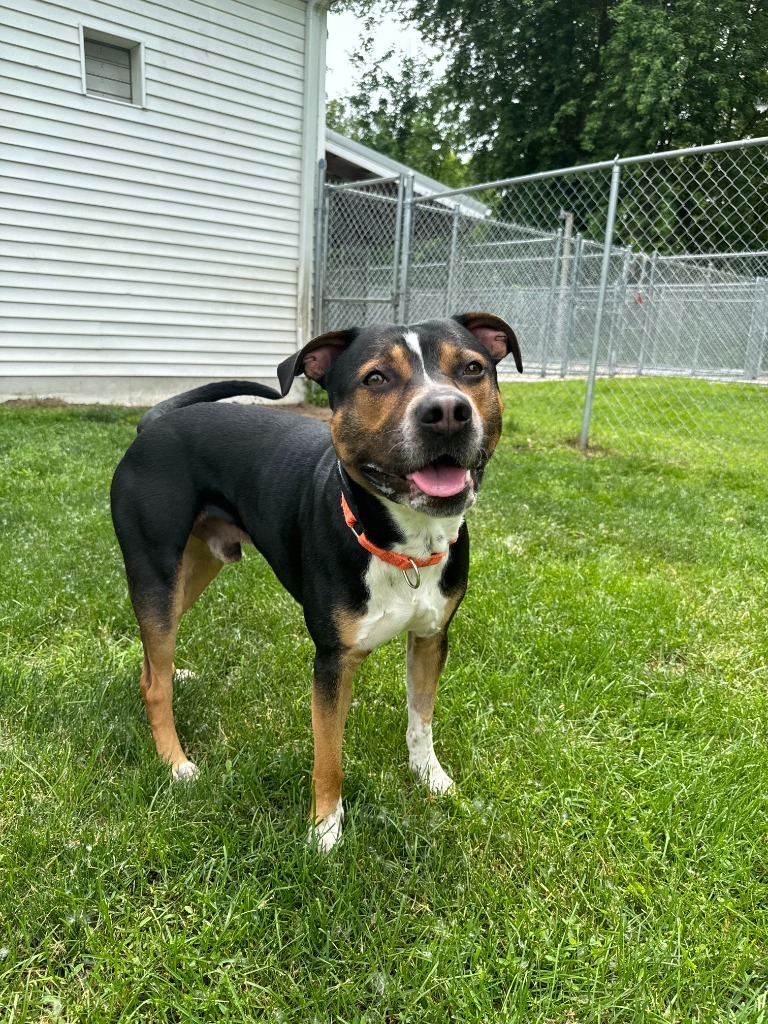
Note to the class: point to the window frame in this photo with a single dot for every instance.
(137, 69)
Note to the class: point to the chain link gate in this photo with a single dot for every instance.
(358, 234)
(631, 270)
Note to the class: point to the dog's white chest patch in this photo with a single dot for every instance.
(394, 607)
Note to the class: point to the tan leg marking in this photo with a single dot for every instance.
(329, 716)
(157, 691)
(198, 567)
(425, 661)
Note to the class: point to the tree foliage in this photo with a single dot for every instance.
(524, 73)
(683, 73)
(399, 109)
(538, 84)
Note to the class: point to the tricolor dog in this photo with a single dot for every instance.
(363, 525)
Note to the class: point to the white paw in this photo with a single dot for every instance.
(325, 833)
(185, 772)
(432, 775)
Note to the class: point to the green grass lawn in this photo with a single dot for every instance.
(603, 712)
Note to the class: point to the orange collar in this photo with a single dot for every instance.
(404, 562)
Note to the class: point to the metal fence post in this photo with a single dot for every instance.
(565, 273)
(702, 321)
(396, 247)
(661, 290)
(405, 255)
(571, 320)
(764, 337)
(544, 350)
(758, 329)
(648, 306)
(606, 267)
(618, 320)
(450, 286)
(321, 251)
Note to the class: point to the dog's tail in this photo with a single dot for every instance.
(207, 393)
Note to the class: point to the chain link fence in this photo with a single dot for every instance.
(643, 281)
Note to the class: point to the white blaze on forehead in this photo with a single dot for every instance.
(412, 341)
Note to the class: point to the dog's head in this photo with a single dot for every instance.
(416, 409)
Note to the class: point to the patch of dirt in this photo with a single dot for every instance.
(315, 412)
(592, 451)
(36, 403)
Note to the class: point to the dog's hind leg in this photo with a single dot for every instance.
(159, 623)
(425, 660)
(159, 640)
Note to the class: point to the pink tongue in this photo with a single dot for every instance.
(440, 481)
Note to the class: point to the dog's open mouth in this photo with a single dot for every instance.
(441, 478)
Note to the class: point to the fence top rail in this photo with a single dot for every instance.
(603, 165)
(544, 240)
(714, 255)
(363, 183)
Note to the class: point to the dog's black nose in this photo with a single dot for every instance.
(444, 413)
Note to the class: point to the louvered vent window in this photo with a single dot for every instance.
(108, 70)
(112, 67)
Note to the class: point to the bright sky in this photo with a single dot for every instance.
(344, 33)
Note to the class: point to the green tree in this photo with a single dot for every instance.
(524, 73)
(398, 108)
(538, 84)
(678, 74)
(541, 84)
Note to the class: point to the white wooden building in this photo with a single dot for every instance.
(158, 175)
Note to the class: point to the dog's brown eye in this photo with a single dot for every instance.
(473, 369)
(374, 379)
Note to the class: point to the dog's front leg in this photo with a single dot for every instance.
(331, 698)
(425, 661)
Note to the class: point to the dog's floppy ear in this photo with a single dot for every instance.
(315, 359)
(494, 334)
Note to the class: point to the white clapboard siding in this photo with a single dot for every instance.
(155, 242)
